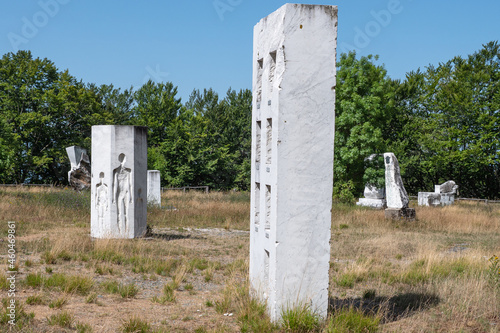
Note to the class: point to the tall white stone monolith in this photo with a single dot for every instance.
(119, 181)
(154, 188)
(293, 114)
(396, 196)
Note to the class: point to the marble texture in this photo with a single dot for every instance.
(292, 157)
(79, 176)
(119, 181)
(443, 195)
(154, 188)
(395, 192)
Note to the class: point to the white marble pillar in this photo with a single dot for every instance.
(293, 114)
(154, 188)
(119, 184)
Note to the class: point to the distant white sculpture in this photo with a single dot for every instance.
(395, 190)
(374, 197)
(443, 195)
(396, 196)
(119, 175)
(79, 175)
(154, 188)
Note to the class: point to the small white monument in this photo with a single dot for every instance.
(443, 195)
(154, 188)
(374, 197)
(293, 114)
(396, 196)
(119, 184)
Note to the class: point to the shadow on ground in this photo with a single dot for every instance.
(393, 308)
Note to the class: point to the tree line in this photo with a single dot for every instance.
(442, 123)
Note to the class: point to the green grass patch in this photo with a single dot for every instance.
(63, 319)
(300, 319)
(351, 320)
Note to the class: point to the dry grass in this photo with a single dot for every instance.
(430, 275)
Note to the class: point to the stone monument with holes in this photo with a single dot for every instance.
(293, 113)
(396, 196)
(154, 188)
(119, 181)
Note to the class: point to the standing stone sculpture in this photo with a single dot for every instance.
(443, 195)
(396, 196)
(154, 188)
(79, 175)
(118, 206)
(292, 157)
(374, 197)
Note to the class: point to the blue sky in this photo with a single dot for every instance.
(208, 43)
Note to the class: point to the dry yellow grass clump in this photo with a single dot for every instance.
(436, 274)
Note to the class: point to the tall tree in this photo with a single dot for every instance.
(45, 110)
(364, 111)
(457, 104)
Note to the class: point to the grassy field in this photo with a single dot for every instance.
(437, 274)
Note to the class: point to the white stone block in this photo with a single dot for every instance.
(395, 192)
(119, 181)
(292, 157)
(429, 199)
(75, 155)
(372, 203)
(154, 188)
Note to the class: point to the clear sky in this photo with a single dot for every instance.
(208, 43)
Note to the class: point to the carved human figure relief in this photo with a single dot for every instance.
(122, 193)
(101, 200)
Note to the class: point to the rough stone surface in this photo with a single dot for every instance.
(119, 181)
(374, 197)
(448, 187)
(79, 176)
(372, 203)
(443, 195)
(396, 195)
(407, 214)
(154, 188)
(429, 199)
(292, 157)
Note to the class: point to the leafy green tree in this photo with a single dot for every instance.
(364, 111)
(156, 106)
(45, 110)
(455, 127)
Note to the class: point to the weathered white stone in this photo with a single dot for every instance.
(119, 181)
(79, 175)
(154, 188)
(396, 195)
(443, 195)
(76, 154)
(429, 199)
(374, 197)
(449, 187)
(292, 156)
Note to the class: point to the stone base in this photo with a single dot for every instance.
(407, 214)
(373, 203)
